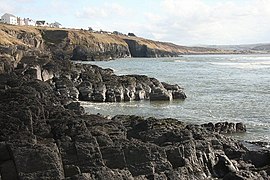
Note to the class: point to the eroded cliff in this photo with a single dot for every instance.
(85, 45)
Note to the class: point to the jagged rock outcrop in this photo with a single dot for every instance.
(225, 127)
(92, 83)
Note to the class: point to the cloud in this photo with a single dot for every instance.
(106, 10)
(196, 22)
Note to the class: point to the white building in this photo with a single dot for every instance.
(20, 21)
(9, 19)
(56, 25)
(29, 22)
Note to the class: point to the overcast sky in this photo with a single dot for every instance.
(184, 22)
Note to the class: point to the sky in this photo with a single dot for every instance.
(183, 22)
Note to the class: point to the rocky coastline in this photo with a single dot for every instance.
(45, 133)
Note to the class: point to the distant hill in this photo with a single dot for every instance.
(244, 48)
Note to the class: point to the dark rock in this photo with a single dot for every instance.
(4, 152)
(8, 170)
(99, 93)
(176, 157)
(176, 90)
(225, 127)
(223, 166)
(137, 50)
(71, 170)
(76, 107)
(37, 161)
(115, 94)
(233, 176)
(88, 153)
(259, 158)
(114, 157)
(81, 53)
(159, 94)
(85, 91)
(114, 174)
(240, 127)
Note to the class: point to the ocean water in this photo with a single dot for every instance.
(233, 88)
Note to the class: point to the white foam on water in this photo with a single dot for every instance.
(180, 60)
(244, 65)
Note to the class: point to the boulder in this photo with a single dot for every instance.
(159, 94)
(176, 90)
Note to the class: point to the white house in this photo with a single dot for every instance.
(9, 19)
(20, 21)
(29, 22)
(56, 25)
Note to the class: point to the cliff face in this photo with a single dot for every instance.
(84, 45)
(138, 49)
(61, 43)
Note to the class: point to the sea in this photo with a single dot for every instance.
(219, 88)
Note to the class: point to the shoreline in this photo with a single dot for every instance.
(46, 134)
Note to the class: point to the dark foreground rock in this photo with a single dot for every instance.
(44, 136)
